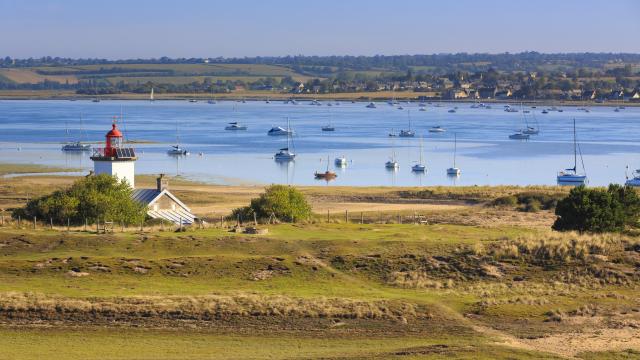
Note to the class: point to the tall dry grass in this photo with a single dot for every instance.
(206, 307)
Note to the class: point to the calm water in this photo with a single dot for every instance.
(32, 131)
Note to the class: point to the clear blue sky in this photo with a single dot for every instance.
(199, 28)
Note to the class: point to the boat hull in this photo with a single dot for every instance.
(571, 180)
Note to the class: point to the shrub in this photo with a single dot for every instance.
(101, 197)
(508, 200)
(598, 210)
(283, 202)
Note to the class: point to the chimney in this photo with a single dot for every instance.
(162, 183)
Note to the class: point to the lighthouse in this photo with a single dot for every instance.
(115, 159)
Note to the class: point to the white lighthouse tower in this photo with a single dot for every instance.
(115, 159)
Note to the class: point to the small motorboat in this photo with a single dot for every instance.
(328, 128)
(452, 111)
(391, 164)
(635, 181)
(235, 126)
(519, 135)
(340, 161)
(371, 105)
(193, 100)
(531, 131)
(407, 133)
(76, 146)
(437, 129)
(176, 150)
(279, 131)
(419, 168)
(545, 111)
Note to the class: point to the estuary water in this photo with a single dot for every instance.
(32, 132)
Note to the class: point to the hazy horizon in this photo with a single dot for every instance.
(196, 28)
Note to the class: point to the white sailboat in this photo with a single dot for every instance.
(420, 166)
(329, 127)
(530, 130)
(177, 150)
(285, 154)
(75, 145)
(409, 132)
(392, 164)
(151, 98)
(571, 176)
(454, 171)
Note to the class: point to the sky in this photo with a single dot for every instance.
(119, 29)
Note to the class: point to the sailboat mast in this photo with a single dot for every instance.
(575, 154)
(455, 148)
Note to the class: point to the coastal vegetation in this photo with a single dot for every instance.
(88, 200)
(523, 76)
(278, 201)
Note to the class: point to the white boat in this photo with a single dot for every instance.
(73, 146)
(571, 176)
(437, 129)
(422, 109)
(235, 126)
(341, 161)
(285, 154)
(177, 149)
(76, 146)
(392, 164)
(151, 95)
(454, 171)
(371, 105)
(279, 131)
(193, 100)
(635, 180)
(519, 135)
(529, 130)
(408, 132)
(420, 166)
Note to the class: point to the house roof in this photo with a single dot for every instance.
(149, 196)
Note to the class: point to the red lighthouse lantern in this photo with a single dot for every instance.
(113, 141)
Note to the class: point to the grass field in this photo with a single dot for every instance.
(476, 282)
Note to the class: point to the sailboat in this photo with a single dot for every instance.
(392, 164)
(329, 127)
(454, 171)
(176, 149)
(530, 130)
(77, 145)
(341, 161)
(327, 175)
(151, 95)
(285, 154)
(420, 166)
(407, 133)
(571, 176)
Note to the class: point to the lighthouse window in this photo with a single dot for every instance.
(117, 142)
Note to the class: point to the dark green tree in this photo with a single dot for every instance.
(93, 198)
(285, 202)
(598, 210)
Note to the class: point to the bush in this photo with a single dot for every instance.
(532, 205)
(598, 210)
(284, 202)
(101, 197)
(508, 200)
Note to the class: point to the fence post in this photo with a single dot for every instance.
(19, 221)
(399, 219)
(361, 217)
(255, 219)
(34, 223)
(346, 216)
(221, 221)
(51, 223)
(141, 225)
(85, 224)
(68, 224)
